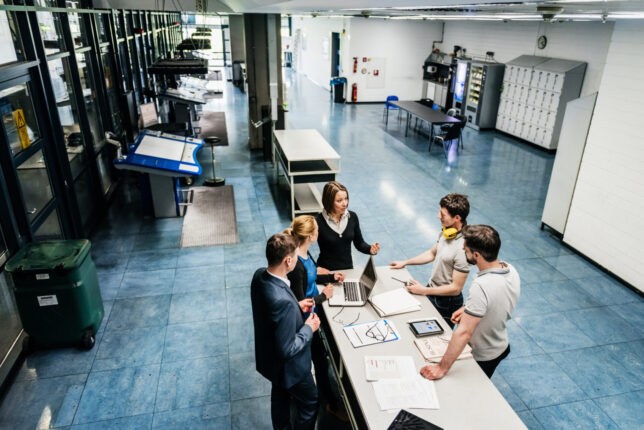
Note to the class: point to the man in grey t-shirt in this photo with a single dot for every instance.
(490, 303)
(450, 268)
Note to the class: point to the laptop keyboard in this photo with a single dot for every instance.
(351, 291)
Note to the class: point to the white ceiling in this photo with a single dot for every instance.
(423, 7)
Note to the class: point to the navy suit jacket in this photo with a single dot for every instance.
(282, 340)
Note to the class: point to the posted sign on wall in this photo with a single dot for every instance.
(21, 126)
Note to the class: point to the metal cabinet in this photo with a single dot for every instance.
(535, 93)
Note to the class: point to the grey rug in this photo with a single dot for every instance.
(211, 219)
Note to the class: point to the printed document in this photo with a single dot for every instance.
(433, 348)
(379, 367)
(408, 393)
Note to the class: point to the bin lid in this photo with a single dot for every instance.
(49, 255)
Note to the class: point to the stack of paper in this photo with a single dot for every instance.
(394, 302)
(433, 348)
(408, 393)
(389, 367)
(397, 383)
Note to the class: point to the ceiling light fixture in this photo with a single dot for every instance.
(626, 15)
(574, 16)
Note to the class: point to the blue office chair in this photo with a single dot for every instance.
(389, 106)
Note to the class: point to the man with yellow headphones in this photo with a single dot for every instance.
(450, 268)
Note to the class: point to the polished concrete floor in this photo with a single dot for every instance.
(175, 351)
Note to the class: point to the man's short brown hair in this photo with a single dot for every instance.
(456, 204)
(278, 247)
(328, 194)
(482, 239)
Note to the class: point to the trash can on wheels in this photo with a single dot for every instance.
(57, 293)
(339, 85)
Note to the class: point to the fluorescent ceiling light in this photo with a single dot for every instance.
(474, 17)
(626, 15)
(408, 17)
(579, 16)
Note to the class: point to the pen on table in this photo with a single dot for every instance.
(400, 280)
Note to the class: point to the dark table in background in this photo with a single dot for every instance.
(424, 113)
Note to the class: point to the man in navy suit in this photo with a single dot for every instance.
(283, 337)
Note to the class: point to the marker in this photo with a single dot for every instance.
(313, 308)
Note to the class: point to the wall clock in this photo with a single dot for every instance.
(542, 41)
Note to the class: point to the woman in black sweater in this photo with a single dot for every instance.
(338, 228)
(304, 280)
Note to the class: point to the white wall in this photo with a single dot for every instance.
(307, 49)
(403, 44)
(582, 41)
(605, 221)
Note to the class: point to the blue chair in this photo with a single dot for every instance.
(389, 106)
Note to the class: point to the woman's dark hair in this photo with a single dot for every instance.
(328, 194)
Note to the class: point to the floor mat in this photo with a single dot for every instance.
(213, 124)
(211, 219)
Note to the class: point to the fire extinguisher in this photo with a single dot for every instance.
(355, 64)
(354, 92)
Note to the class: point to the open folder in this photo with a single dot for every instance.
(394, 302)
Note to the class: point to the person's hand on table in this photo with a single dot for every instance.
(432, 372)
(323, 271)
(339, 276)
(457, 315)
(374, 248)
(313, 321)
(397, 264)
(328, 291)
(415, 287)
(306, 305)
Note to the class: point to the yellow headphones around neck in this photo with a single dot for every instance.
(450, 232)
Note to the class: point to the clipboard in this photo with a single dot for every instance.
(371, 333)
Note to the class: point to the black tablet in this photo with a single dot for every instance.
(426, 327)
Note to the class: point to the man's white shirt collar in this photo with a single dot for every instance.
(285, 280)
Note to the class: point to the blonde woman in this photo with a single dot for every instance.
(304, 279)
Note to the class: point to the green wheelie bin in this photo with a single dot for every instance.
(57, 293)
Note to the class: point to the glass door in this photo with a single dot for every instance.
(28, 171)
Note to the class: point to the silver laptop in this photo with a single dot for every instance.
(356, 292)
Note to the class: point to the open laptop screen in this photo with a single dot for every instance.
(369, 277)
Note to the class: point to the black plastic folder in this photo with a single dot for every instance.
(408, 421)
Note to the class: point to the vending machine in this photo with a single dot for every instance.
(460, 84)
(482, 94)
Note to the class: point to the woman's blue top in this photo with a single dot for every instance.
(311, 276)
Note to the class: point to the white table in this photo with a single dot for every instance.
(306, 159)
(467, 398)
